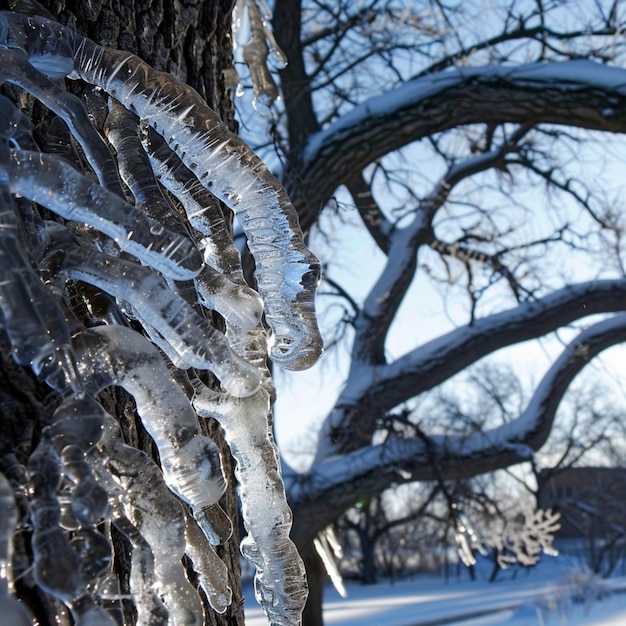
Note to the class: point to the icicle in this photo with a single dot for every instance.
(76, 426)
(212, 572)
(57, 568)
(328, 548)
(60, 188)
(62, 568)
(203, 212)
(191, 462)
(157, 519)
(15, 126)
(238, 304)
(30, 315)
(150, 609)
(466, 539)
(255, 54)
(13, 613)
(197, 343)
(121, 128)
(280, 582)
(89, 500)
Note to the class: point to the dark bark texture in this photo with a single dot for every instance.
(191, 40)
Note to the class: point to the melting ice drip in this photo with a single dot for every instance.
(136, 259)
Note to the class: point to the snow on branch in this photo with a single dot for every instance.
(461, 85)
(428, 365)
(574, 93)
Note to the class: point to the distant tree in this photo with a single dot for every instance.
(371, 523)
(479, 149)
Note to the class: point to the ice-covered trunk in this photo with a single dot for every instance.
(287, 272)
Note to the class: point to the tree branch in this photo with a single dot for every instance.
(374, 390)
(576, 93)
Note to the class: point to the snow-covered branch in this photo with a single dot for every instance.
(386, 296)
(576, 93)
(428, 365)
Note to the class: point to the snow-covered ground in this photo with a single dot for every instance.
(550, 596)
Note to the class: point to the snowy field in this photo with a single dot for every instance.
(551, 596)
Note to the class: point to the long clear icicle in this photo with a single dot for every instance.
(30, 315)
(280, 584)
(202, 209)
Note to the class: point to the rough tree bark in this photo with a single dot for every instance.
(190, 39)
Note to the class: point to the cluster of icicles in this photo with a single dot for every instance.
(133, 259)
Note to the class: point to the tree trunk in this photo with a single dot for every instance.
(192, 41)
(316, 576)
(369, 574)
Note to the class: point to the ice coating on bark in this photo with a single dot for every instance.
(59, 187)
(280, 581)
(119, 356)
(196, 343)
(11, 610)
